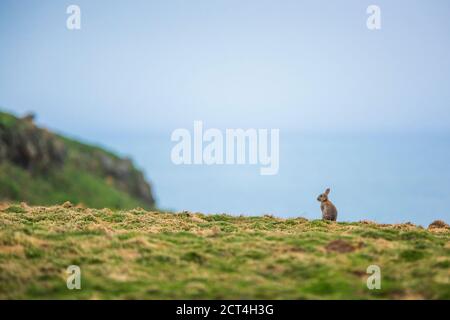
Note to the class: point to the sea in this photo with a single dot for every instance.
(387, 178)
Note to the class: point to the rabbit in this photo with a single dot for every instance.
(329, 211)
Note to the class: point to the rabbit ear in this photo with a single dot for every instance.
(327, 191)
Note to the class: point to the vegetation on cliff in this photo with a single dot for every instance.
(40, 167)
(142, 254)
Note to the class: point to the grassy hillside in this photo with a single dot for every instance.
(141, 254)
(40, 167)
(66, 184)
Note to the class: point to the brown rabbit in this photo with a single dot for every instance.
(329, 211)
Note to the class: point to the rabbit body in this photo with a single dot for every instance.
(329, 211)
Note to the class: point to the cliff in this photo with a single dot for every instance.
(41, 167)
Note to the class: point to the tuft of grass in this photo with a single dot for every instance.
(142, 254)
(411, 255)
(15, 209)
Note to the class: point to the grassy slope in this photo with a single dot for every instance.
(140, 254)
(67, 184)
(58, 186)
(7, 119)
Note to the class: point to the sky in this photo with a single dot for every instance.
(153, 66)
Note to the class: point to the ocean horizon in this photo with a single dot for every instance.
(387, 178)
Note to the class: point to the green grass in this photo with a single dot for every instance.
(7, 119)
(57, 186)
(139, 254)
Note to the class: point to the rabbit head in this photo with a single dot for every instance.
(324, 196)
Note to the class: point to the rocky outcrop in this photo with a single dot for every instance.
(438, 224)
(118, 171)
(39, 151)
(25, 145)
(126, 176)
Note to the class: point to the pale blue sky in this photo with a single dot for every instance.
(142, 66)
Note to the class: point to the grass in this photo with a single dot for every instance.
(139, 254)
(57, 186)
(7, 120)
